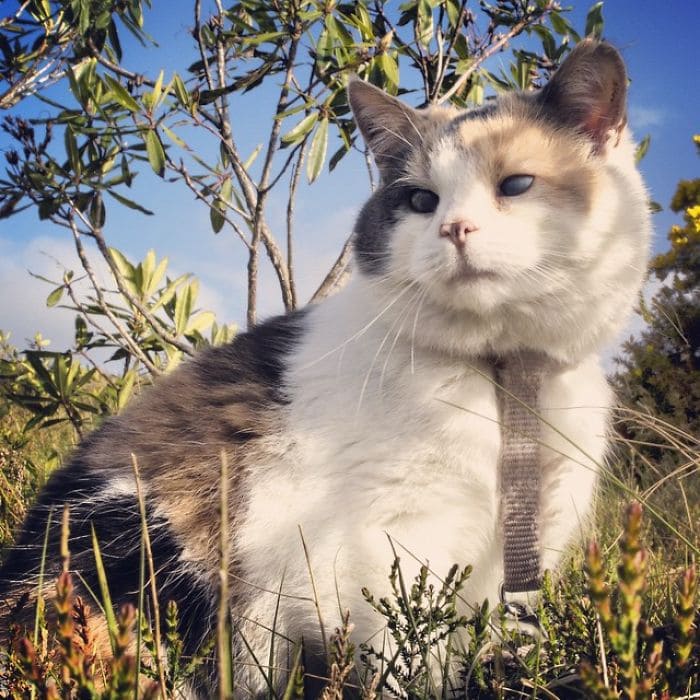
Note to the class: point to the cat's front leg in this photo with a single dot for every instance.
(574, 406)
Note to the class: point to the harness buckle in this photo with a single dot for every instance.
(519, 612)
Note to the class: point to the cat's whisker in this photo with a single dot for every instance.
(368, 374)
(415, 325)
(419, 300)
(364, 328)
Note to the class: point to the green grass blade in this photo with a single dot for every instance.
(271, 695)
(290, 690)
(40, 588)
(139, 614)
(104, 589)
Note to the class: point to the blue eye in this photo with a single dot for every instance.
(514, 185)
(423, 201)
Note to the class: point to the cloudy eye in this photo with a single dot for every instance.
(514, 185)
(423, 201)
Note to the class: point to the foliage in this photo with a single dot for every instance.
(26, 456)
(658, 379)
(643, 661)
(73, 165)
(421, 621)
(601, 636)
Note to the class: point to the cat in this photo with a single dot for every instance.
(521, 225)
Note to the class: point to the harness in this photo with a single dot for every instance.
(519, 380)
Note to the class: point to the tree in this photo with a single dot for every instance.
(659, 373)
(84, 158)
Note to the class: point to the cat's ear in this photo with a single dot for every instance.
(589, 92)
(389, 127)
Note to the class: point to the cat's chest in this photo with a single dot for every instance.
(407, 426)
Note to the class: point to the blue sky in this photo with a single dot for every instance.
(658, 41)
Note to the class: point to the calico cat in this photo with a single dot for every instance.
(518, 226)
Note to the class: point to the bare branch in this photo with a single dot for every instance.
(32, 81)
(444, 58)
(293, 184)
(137, 78)
(496, 46)
(187, 178)
(261, 229)
(89, 318)
(200, 43)
(337, 275)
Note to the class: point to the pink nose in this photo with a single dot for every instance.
(457, 231)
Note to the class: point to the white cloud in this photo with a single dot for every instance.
(23, 311)
(642, 117)
(219, 263)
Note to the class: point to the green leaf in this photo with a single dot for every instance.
(169, 292)
(181, 91)
(173, 136)
(104, 590)
(642, 148)
(126, 389)
(129, 203)
(216, 216)
(476, 94)
(121, 94)
(300, 130)
(424, 22)
(337, 157)
(55, 296)
(148, 265)
(126, 269)
(217, 211)
(387, 71)
(317, 154)
(72, 150)
(227, 189)
(96, 213)
(184, 303)
(157, 93)
(594, 21)
(156, 277)
(200, 322)
(251, 158)
(559, 24)
(156, 154)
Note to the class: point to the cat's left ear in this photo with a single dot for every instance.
(589, 92)
(389, 126)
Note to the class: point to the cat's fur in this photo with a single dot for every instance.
(373, 413)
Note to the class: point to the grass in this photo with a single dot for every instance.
(602, 637)
(620, 620)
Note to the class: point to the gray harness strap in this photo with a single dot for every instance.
(520, 378)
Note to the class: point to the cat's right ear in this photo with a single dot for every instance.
(589, 92)
(388, 126)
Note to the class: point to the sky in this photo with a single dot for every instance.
(658, 41)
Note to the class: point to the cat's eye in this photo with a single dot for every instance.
(514, 185)
(423, 201)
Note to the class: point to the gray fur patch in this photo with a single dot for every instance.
(374, 226)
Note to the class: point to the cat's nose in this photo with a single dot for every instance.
(457, 231)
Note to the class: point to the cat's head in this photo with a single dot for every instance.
(523, 223)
